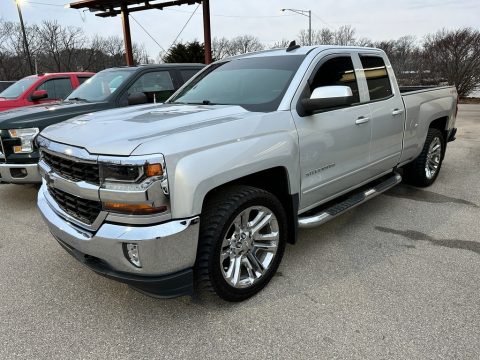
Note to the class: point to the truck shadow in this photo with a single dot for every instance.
(448, 243)
(412, 193)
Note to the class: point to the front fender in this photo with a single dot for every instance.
(200, 172)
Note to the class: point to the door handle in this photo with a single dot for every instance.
(362, 120)
(397, 112)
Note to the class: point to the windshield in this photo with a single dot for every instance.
(17, 89)
(257, 84)
(100, 86)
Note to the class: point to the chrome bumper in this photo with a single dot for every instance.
(29, 175)
(164, 248)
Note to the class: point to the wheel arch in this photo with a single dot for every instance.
(441, 124)
(280, 187)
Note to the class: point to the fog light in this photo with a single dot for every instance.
(131, 252)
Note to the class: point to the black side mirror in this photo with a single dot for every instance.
(326, 97)
(137, 98)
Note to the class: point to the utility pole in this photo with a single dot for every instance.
(307, 13)
(207, 32)
(310, 27)
(127, 38)
(25, 42)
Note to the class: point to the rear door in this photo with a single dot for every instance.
(387, 113)
(334, 144)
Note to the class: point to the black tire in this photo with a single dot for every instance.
(219, 211)
(414, 172)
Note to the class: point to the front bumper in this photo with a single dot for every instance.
(167, 251)
(20, 173)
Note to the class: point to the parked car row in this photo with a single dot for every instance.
(206, 189)
(111, 88)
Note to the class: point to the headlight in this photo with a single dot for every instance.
(26, 136)
(130, 173)
(136, 178)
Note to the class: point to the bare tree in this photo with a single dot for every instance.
(281, 44)
(221, 48)
(364, 41)
(325, 36)
(455, 56)
(244, 44)
(55, 47)
(345, 35)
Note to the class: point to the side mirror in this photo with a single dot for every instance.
(137, 98)
(326, 97)
(39, 95)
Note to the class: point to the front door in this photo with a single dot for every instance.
(334, 144)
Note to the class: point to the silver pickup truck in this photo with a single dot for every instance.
(206, 190)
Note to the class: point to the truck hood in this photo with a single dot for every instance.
(120, 131)
(40, 116)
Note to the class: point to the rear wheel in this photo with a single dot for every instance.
(242, 239)
(424, 170)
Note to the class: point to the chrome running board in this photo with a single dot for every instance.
(357, 198)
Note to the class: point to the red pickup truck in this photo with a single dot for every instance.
(40, 89)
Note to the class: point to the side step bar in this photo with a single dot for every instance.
(355, 199)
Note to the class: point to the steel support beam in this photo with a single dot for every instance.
(207, 36)
(127, 38)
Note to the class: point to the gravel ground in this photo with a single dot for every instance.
(398, 277)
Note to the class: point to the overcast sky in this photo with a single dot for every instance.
(375, 19)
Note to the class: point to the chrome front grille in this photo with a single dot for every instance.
(83, 210)
(71, 169)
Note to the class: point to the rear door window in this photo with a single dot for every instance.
(379, 86)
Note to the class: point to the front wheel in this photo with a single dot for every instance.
(424, 170)
(243, 233)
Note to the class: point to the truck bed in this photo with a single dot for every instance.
(408, 90)
(423, 104)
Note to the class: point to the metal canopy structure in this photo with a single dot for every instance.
(110, 8)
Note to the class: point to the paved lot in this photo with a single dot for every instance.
(398, 277)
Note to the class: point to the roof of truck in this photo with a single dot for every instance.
(301, 50)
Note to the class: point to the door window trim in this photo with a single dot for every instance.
(51, 79)
(317, 62)
(390, 75)
(137, 76)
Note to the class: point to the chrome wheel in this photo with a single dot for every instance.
(433, 158)
(249, 246)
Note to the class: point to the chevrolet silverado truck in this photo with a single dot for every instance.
(111, 88)
(206, 190)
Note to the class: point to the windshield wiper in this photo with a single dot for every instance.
(204, 102)
(77, 99)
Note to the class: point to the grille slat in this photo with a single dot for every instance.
(73, 170)
(86, 211)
